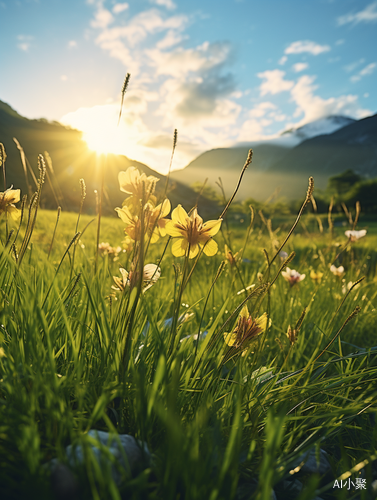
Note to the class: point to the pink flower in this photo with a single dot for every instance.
(292, 276)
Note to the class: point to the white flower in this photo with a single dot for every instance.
(292, 276)
(151, 273)
(355, 235)
(337, 271)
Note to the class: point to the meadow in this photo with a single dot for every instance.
(223, 361)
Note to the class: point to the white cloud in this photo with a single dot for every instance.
(302, 46)
(352, 66)
(171, 38)
(261, 109)
(72, 44)
(314, 107)
(368, 70)
(283, 60)
(102, 18)
(299, 67)
(274, 82)
(340, 42)
(120, 7)
(367, 15)
(169, 4)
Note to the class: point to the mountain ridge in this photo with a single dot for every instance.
(72, 160)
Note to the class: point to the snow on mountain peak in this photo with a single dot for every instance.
(323, 126)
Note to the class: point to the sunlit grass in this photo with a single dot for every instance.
(77, 355)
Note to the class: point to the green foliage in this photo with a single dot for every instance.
(76, 355)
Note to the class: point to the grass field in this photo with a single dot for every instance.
(223, 416)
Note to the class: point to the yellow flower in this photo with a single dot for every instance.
(7, 200)
(316, 276)
(139, 186)
(247, 329)
(151, 274)
(154, 222)
(192, 233)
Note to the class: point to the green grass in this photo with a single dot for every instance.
(77, 356)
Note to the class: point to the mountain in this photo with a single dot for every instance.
(257, 183)
(351, 147)
(72, 160)
(327, 125)
(227, 163)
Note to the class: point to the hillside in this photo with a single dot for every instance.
(263, 177)
(351, 147)
(72, 160)
(227, 163)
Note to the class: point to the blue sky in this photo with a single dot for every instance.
(220, 72)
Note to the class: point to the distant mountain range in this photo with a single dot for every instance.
(320, 149)
(72, 160)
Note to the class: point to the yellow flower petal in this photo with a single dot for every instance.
(12, 196)
(14, 212)
(179, 214)
(262, 322)
(230, 338)
(194, 249)
(179, 247)
(244, 312)
(212, 227)
(172, 230)
(210, 248)
(124, 214)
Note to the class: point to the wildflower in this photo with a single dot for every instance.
(127, 244)
(355, 235)
(154, 221)
(230, 257)
(346, 288)
(292, 276)
(337, 271)
(151, 273)
(316, 276)
(192, 233)
(107, 249)
(292, 334)
(139, 186)
(7, 200)
(247, 329)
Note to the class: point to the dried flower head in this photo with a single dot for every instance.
(292, 334)
(246, 330)
(230, 257)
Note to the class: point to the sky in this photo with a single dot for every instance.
(221, 73)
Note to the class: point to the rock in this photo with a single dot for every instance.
(64, 483)
(121, 452)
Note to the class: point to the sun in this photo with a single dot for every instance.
(102, 140)
(99, 126)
